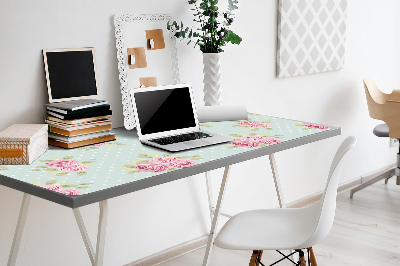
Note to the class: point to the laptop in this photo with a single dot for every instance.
(166, 118)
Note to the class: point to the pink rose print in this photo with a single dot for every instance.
(253, 124)
(62, 163)
(51, 187)
(245, 143)
(252, 138)
(57, 189)
(315, 126)
(164, 160)
(248, 123)
(270, 141)
(99, 144)
(261, 126)
(74, 168)
(320, 127)
(71, 192)
(151, 167)
(182, 163)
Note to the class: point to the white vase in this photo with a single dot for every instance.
(212, 75)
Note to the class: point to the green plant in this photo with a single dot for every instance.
(214, 31)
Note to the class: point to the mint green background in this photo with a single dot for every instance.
(114, 164)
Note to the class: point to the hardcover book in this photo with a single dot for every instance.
(79, 137)
(80, 111)
(81, 143)
(80, 116)
(79, 131)
(78, 121)
(77, 104)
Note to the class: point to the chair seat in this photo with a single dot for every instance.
(381, 130)
(269, 229)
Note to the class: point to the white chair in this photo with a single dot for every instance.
(385, 107)
(287, 229)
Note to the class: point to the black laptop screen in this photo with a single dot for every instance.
(164, 110)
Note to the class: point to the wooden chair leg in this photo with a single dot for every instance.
(255, 258)
(313, 260)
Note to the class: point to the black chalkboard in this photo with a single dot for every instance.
(70, 73)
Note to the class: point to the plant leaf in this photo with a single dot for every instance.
(51, 182)
(134, 172)
(65, 185)
(62, 174)
(234, 38)
(80, 173)
(84, 187)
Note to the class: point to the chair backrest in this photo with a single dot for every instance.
(327, 203)
(385, 107)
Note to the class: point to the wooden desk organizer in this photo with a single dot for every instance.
(23, 143)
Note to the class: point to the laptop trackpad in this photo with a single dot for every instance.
(196, 143)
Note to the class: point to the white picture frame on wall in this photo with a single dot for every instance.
(130, 32)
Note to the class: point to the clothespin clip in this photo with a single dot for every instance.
(151, 43)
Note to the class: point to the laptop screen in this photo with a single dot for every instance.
(164, 110)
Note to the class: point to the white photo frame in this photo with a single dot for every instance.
(130, 32)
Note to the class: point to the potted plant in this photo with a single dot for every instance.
(212, 35)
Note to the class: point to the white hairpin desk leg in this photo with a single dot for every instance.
(95, 258)
(19, 229)
(215, 217)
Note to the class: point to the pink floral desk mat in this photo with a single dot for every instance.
(105, 165)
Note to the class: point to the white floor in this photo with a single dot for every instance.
(366, 232)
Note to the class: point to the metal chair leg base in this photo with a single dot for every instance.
(386, 175)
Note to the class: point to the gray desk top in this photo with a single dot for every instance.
(108, 170)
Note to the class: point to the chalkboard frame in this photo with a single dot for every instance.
(46, 66)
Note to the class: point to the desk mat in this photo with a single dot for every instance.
(93, 168)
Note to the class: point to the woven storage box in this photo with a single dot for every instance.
(23, 143)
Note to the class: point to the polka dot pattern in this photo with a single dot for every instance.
(115, 163)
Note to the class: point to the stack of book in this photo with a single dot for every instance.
(79, 123)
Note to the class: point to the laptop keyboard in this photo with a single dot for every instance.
(180, 138)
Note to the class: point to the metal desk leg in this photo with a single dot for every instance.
(85, 236)
(95, 258)
(278, 187)
(19, 230)
(277, 182)
(210, 195)
(101, 233)
(215, 217)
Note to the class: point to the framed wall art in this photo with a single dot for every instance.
(311, 36)
(146, 53)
